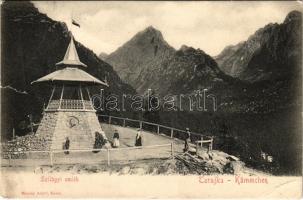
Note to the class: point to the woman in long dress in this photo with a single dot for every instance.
(139, 139)
(116, 142)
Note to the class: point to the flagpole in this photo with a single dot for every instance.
(71, 23)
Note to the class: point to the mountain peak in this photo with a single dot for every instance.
(151, 28)
(190, 50)
(293, 15)
(103, 55)
(263, 56)
(184, 47)
(150, 32)
(142, 53)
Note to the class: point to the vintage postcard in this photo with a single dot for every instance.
(151, 99)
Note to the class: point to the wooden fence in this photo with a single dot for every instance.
(195, 138)
(49, 157)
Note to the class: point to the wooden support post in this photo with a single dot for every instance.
(108, 157)
(81, 95)
(123, 122)
(141, 124)
(61, 96)
(51, 158)
(109, 120)
(171, 133)
(50, 98)
(90, 98)
(158, 129)
(202, 141)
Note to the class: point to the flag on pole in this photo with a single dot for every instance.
(75, 23)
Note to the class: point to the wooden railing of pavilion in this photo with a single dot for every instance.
(69, 104)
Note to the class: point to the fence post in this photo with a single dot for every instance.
(140, 124)
(171, 133)
(14, 133)
(158, 129)
(211, 146)
(202, 141)
(109, 120)
(172, 150)
(197, 146)
(123, 122)
(51, 158)
(9, 159)
(108, 158)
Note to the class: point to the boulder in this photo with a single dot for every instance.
(233, 158)
(204, 156)
(138, 171)
(125, 170)
(234, 167)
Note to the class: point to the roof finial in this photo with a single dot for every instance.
(71, 56)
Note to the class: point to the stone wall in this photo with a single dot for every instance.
(79, 127)
(46, 129)
(54, 128)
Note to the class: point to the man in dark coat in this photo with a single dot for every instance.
(66, 145)
(99, 141)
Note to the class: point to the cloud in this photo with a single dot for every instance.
(206, 25)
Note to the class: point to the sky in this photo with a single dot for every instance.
(210, 26)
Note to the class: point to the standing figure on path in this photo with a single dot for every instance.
(186, 140)
(116, 142)
(66, 145)
(139, 138)
(99, 141)
(187, 134)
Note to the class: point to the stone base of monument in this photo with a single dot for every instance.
(54, 128)
(78, 127)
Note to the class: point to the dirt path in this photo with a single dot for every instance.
(123, 153)
(128, 134)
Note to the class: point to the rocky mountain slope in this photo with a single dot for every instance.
(259, 98)
(148, 62)
(146, 51)
(257, 85)
(272, 52)
(266, 65)
(188, 69)
(32, 43)
(103, 55)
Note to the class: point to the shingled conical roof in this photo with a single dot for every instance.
(71, 56)
(70, 73)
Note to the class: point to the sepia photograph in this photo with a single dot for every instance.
(151, 99)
